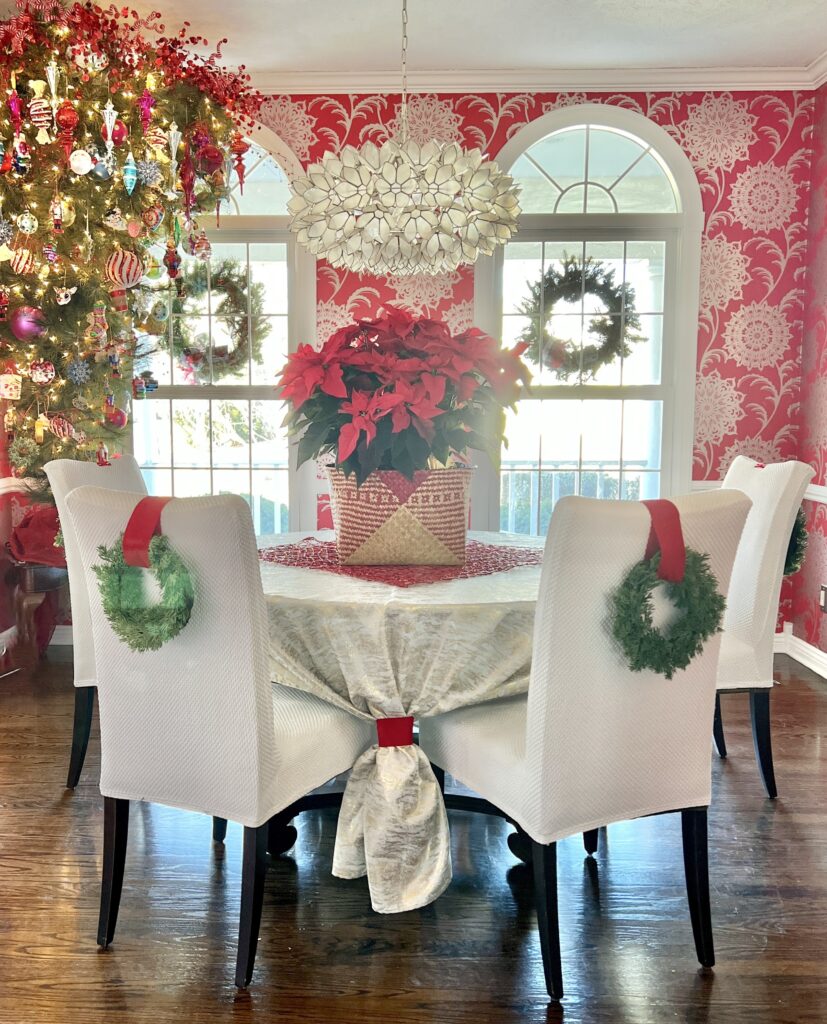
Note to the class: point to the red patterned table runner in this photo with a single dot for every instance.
(480, 560)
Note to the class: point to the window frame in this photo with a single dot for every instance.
(682, 232)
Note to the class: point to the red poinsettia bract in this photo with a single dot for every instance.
(400, 392)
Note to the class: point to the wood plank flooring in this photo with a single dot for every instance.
(473, 956)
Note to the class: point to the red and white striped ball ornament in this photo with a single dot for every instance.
(124, 269)
(22, 261)
(61, 427)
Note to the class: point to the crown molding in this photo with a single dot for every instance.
(751, 79)
(818, 71)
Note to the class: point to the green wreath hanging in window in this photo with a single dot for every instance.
(144, 627)
(227, 282)
(697, 600)
(616, 328)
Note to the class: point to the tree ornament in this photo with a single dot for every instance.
(172, 261)
(123, 595)
(124, 270)
(11, 385)
(22, 452)
(22, 156)
(138, 387)
(117, 418)
(174, 141)
(6, 231)
(52, 77)
(68, 211)
(50, 253)
(4, 306)
(61, 427)
(153, 217)
(149, 173)
(15, 111)
(102, 455)
(115, 219)
(239, 147)
(110, 116)
(9, 424)
(188, 181)
(156, 138)
(41, 425)
(134, 228)
(102, 170)
(210, 158)
(40, 112)
(616, 329)
(119, 134)
(146, 101)
(78, 372)
(153, 269)
(130, 174)
(97, 329)
(63, 296)
(27, 223)
(56, 213)
(42, 371)
(80, 162)
(89, 60)
(67, 119)
(200, 246)
(22, 261)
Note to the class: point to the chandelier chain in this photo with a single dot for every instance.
(403, 113)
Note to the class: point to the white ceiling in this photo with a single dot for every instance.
(302, 45)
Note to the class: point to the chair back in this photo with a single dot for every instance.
(604, 743)
(65, 475)
(190, 724)
(776, 491)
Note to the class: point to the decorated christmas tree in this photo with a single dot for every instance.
(114, 139)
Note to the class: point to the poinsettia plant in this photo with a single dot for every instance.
(400, 392)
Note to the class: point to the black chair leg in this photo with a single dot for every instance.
(696, 863)
(545, 895)
(590, 841)
(81, 727)
(718, 728)
(219, 830)
(759, 707)
(115, 829)
(253, 872)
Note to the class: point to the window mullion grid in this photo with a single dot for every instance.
(622, 368)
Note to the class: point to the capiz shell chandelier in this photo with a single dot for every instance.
(403, 208)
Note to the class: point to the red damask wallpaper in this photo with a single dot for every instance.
(752, 154)
(809, 623)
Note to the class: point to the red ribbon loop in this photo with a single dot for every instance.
(395, 732)
(666, 536)
(143, 525)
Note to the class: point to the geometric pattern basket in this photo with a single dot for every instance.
(391, 520)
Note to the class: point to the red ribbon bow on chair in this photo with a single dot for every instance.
(143, 525)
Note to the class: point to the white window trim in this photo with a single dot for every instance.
(681, 306)
(301, 320)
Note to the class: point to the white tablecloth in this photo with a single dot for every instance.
(381, 651)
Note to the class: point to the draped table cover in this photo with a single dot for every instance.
(382, 651)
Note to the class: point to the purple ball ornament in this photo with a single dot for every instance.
(27, 323)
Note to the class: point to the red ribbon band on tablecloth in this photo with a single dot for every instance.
(395, 732)
(666, 536)
(143, 525)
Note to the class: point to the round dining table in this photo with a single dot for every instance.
(397, 653)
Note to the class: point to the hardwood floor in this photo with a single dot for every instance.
(324, 956)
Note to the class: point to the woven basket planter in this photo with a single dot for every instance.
(391, 520)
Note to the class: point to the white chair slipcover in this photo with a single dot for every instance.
(198, 724)
(776, 492)
(595, 742)
(65, 475)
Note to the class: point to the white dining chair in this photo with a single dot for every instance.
(594, 742)
(746, 662)
(65, 475)
(197, 724)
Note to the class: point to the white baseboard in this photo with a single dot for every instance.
(62, 636)
(805, 654)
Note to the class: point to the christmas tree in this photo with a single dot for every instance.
(114, 138)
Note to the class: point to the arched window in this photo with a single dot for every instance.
(214, 424)
(602, 281)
